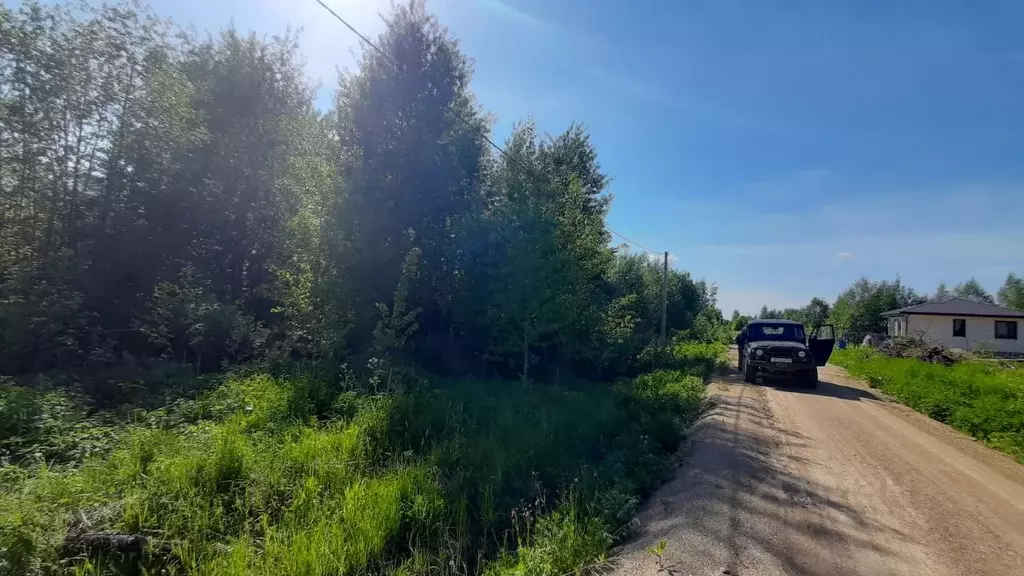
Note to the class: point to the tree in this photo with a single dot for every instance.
(973, 291)
(409, 172)
(525, 309)
(709, 326)
(580, 205)
(813, 314)
(941, 293)
(738, 321)
(1011, 295)
(548, 250)
(126, 156)
(526, 312)
(178, 198)
(307, 284)
(858, 309)
(70, 83)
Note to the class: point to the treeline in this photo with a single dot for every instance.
(857, 310)
(814, 313)
(166, 197)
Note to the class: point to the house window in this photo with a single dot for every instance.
(959, 328)
(1006, 330)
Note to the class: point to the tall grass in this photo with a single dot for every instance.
(983, 399)
(267, 475)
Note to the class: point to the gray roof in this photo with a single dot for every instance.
(957, 307)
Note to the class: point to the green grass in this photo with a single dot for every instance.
(266, 475)
(694, 357)
(983, 399)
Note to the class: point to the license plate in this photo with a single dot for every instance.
(783, 360)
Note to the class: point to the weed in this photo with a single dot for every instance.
(658, 551)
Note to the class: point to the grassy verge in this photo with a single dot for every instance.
(270, 475)
(983, 399)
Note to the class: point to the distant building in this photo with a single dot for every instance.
(958, 323)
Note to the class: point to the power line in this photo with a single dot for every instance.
(638, 245)
(469, 124)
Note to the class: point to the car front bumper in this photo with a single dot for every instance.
(780, 368)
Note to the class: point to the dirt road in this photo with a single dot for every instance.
(830, 482)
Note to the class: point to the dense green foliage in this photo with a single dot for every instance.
(859, 308)
(942, 293)
(1011, 295)
(279, 340)
(166, 198)
(972, 290)
(857, 311)
(739, 321)
(815, 313)
(983, 399)
(297, 475)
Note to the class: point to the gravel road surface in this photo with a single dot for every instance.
(832, 481)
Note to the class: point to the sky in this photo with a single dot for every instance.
(780, 150)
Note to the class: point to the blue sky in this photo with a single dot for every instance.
(778, 149)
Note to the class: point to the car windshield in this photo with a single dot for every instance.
(781, 332)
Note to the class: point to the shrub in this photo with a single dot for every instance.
(185, 321)
(695, 358)
(49, 426)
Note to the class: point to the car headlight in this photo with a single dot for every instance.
(758, 352)
(802, 354)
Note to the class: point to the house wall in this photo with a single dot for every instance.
(980, 333)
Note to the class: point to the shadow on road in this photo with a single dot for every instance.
(738, 508)
(825, 388)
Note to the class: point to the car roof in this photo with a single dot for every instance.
(773, 321)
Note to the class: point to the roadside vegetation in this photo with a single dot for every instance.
(300, 475)
(241, 334)
(983, 398)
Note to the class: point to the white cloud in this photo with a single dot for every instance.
(845, 255)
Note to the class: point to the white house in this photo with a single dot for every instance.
(960, 324)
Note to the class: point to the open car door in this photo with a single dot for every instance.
(821, 342)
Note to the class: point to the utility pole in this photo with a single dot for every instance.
(664, 297)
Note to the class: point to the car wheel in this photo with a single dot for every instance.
(750, 373)
(811, 378)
